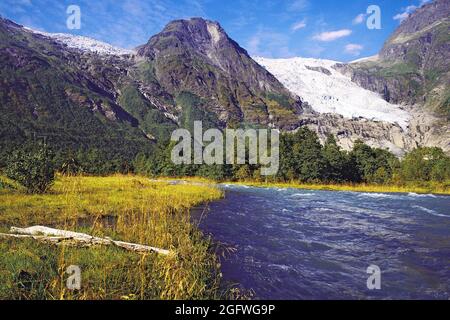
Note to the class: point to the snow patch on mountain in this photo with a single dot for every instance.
(85, 44)
(329, 91)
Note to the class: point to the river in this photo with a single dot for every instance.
(301, 244)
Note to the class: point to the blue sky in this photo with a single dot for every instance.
(330, 29)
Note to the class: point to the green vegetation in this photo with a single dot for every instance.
(195, 108)
(46, 95)
(8, 184)
(151, 120)
(304, 160)
(32, 169)
(425, 164)
(128, 208)
(398, 69)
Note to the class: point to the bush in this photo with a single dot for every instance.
(33, 169)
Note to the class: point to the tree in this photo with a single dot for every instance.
(308, 162)
(286, 170)
(33, 169)
(425, 164)
(214, 172)
(336, 161)
(243, 172)
(373, 165)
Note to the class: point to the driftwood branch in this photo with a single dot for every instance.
(57, 236)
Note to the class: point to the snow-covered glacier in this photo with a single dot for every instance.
(84, 43)
(329, 91)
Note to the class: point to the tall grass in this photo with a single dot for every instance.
(127, 208)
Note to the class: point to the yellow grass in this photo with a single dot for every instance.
(127, 208)
(86, 197)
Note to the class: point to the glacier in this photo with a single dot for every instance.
(84, 43)
(327, 90)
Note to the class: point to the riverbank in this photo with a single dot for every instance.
(430, 188)
(127, 208)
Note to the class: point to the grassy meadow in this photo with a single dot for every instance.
(127, 208)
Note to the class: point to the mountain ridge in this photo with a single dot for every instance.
(413, 66)
(216, 68)
(191, 70)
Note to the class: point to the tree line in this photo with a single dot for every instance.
(302, 158)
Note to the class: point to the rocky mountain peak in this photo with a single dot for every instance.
(425, 16)
(198, 56)
(197, 34)
(428, 24)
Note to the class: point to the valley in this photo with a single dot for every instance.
(360, 153)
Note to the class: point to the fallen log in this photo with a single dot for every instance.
(57, 236)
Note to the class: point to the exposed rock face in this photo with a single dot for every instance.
(320, 69)
(423, 131)
(413, 69)
(197, 56)
(414, 65)
(347, 131)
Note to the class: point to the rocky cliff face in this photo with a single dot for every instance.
(414, 65)
(198, 57)
(413, 69)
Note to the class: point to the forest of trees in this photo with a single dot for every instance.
(302, 158)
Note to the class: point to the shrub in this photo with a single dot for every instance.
(33, 169)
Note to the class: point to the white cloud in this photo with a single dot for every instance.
(332, 35)
(353, 49)
(299, 25)
(406, 13)
(401, 16)
(359, 18)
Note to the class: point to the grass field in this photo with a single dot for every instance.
(127, 208)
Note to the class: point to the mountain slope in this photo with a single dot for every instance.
(68, 97)
(198, 57)
(414, 65)
(83, 94)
